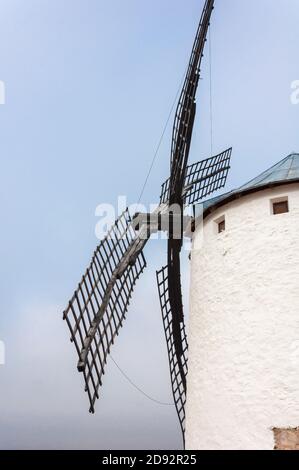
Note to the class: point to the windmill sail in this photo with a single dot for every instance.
(177, 377)
(186, 108)
(205, 177)
(202, 178)
(172, 305)
(98, 307)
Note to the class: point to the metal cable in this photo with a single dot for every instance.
(161, 138)
(211, 94)
(138, 388)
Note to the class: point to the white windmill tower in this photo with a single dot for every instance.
(243, 380)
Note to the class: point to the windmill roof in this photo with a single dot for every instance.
(285, 171)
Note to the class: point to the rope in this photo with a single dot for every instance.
(170, 113)
(211, 94)
(161, 138)
(138, 388)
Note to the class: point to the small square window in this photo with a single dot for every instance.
(221, 226)
(280, 207)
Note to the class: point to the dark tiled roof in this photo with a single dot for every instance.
(285, 171)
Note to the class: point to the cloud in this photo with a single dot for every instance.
(43, 404)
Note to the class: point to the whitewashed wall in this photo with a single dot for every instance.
(244, 325)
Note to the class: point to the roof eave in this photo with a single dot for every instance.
(237, 195)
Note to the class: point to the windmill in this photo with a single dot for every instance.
(97, 310)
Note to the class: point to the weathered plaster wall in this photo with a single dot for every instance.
(244, 325)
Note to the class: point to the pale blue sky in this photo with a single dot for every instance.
(89, 84)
